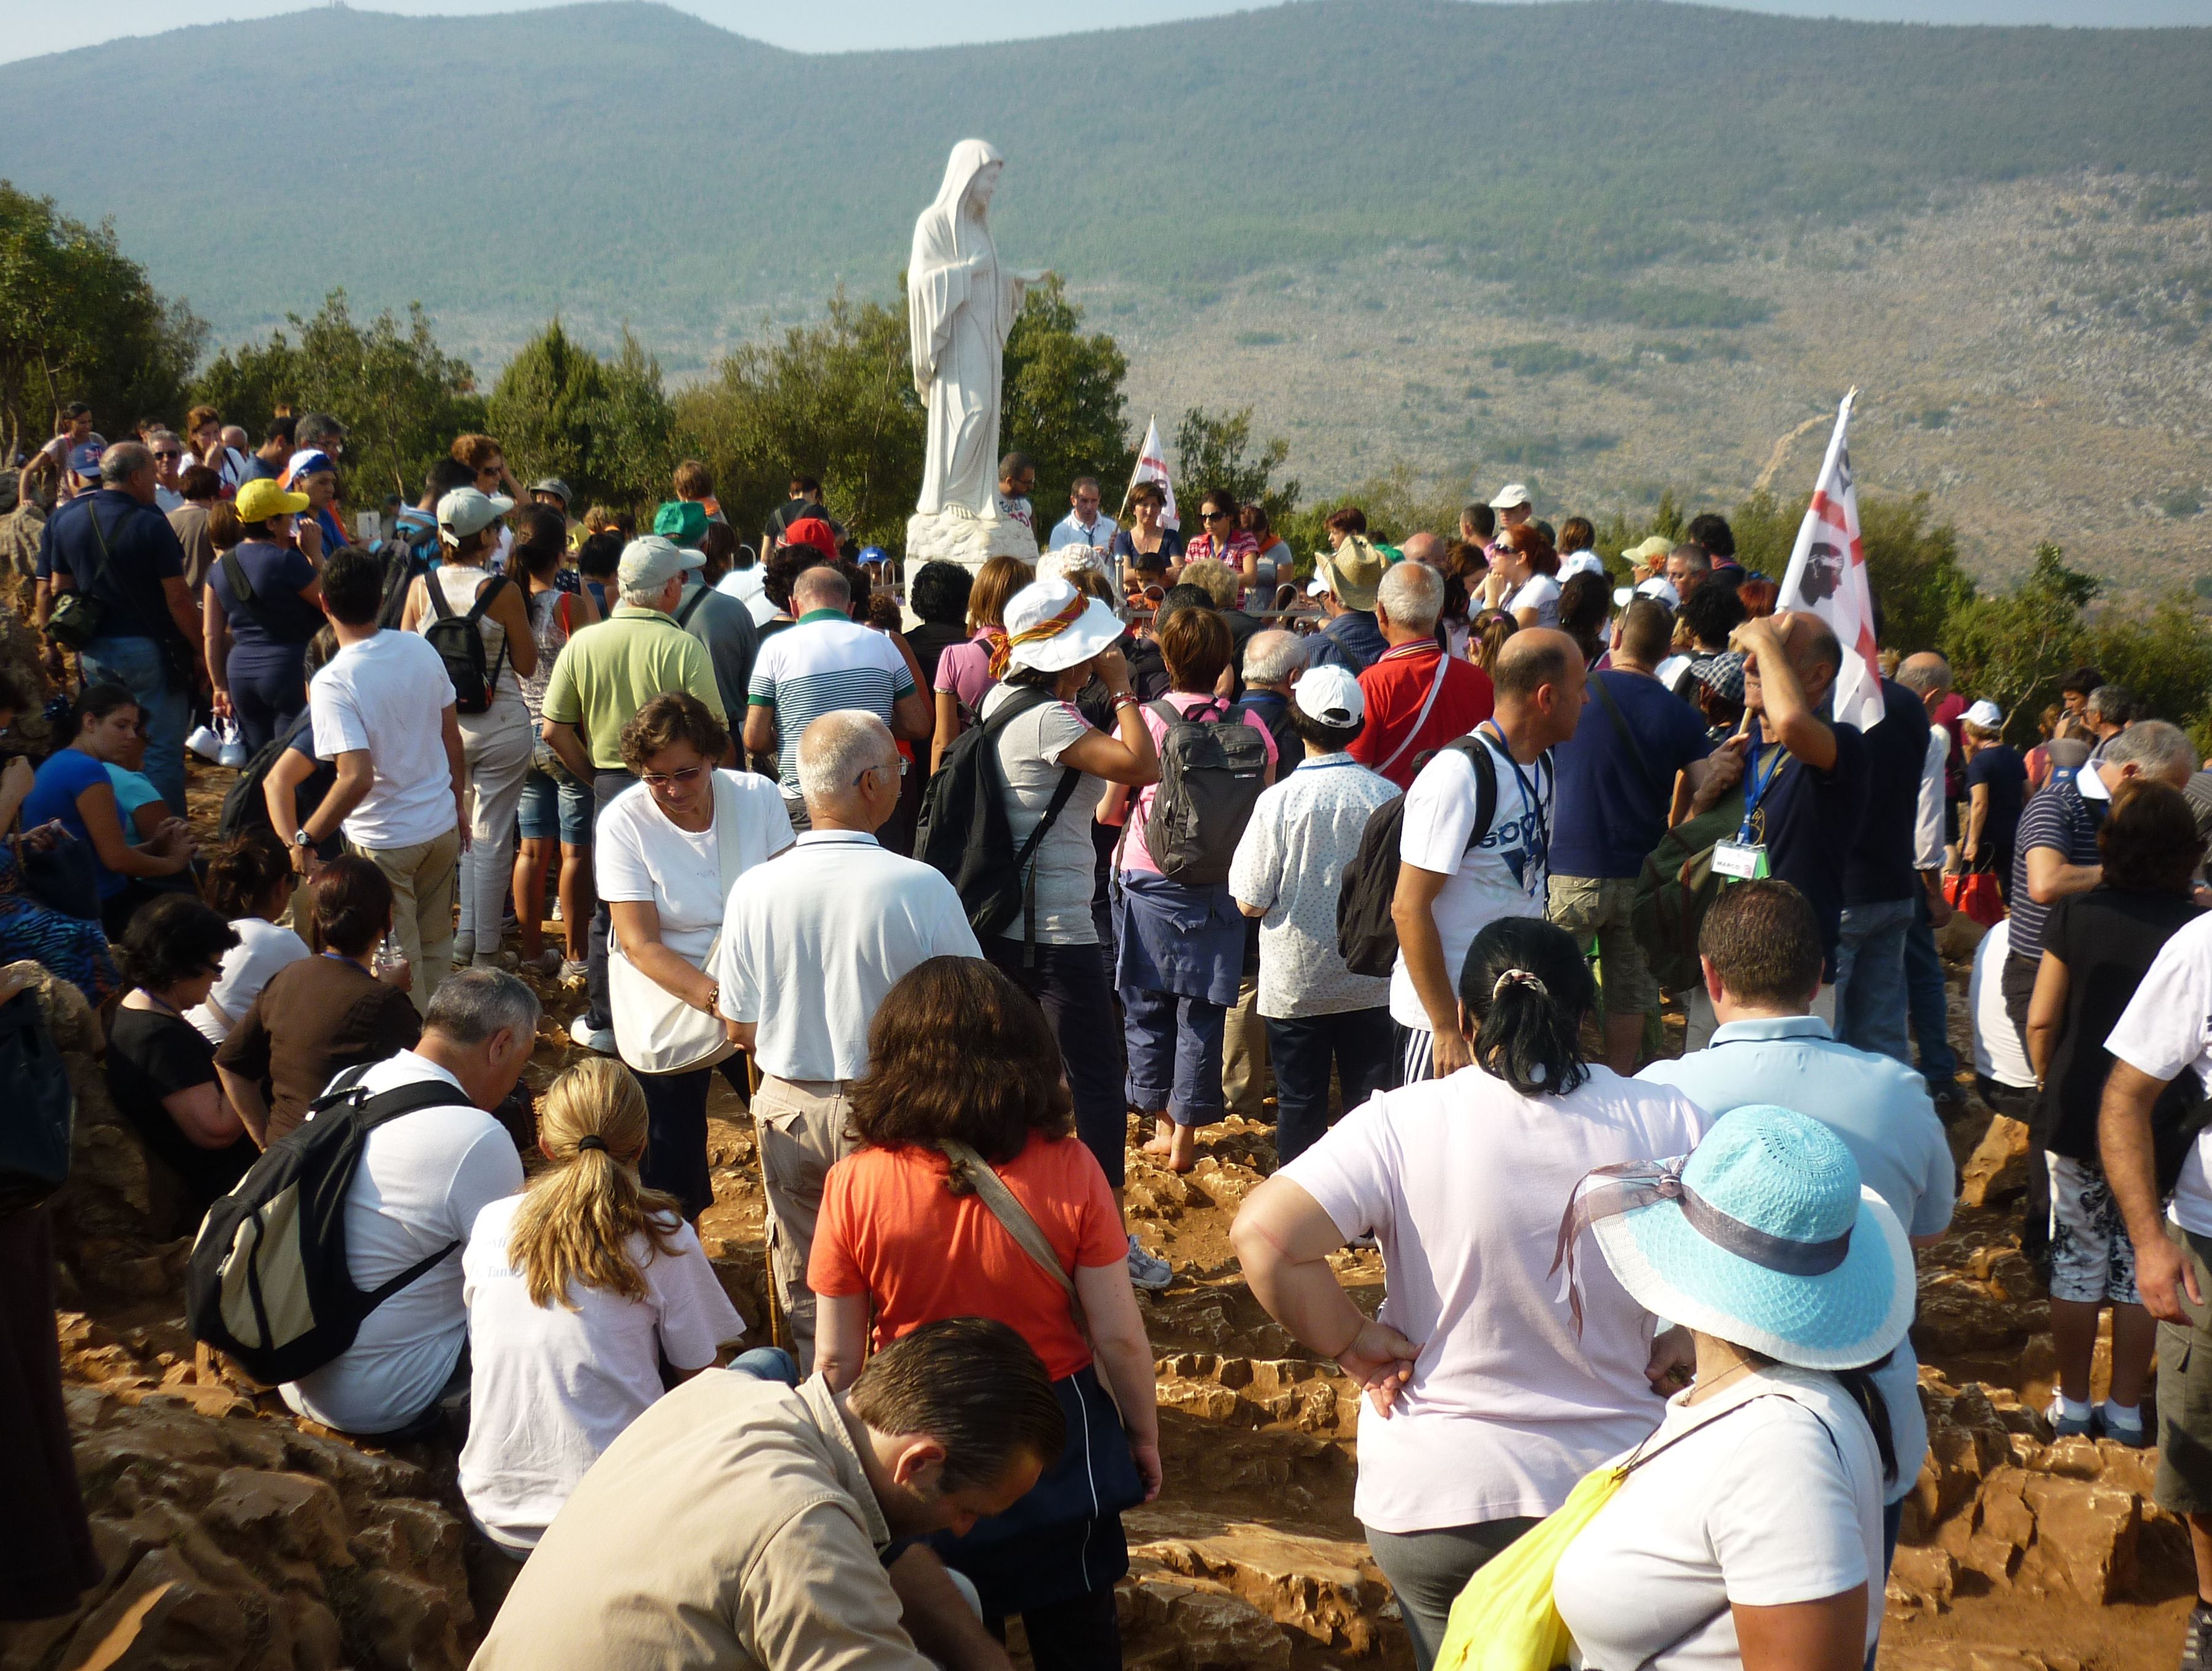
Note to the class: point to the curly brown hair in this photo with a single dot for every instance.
(673, 717)
(958, 1050)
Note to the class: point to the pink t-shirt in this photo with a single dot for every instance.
(965, 671)
(1135, 855)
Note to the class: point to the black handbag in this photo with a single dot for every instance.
(35, 1134)
(62, 876)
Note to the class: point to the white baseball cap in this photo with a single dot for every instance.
(1986, 714)
(1657, 587)
(465, 511)
(1330, 695)
(1512, 496)
(650, 560)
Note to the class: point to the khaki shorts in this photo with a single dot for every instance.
(2183, 1482)
(1598, 907)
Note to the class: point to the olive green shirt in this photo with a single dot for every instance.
(610, 669)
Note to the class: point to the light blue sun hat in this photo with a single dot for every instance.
(1764, 1237)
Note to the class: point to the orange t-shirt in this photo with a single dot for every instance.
(890, 1229)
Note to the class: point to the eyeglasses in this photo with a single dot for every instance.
(867, 772)
(661, 781)
(1220, 516)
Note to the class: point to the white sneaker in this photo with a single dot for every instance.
(574, 970)
(205, 742)
(602, 1039)
(1146, 1268)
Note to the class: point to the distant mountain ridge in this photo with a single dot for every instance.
(625, 160)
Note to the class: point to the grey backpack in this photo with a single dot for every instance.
(1212, 771)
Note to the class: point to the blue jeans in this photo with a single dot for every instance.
(1870, 1001)
(766, 1363)
(1301, 1048)
(138, 666)
(1930, 1007)
(1175, 1055)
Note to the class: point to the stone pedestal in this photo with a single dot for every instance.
(970, 541)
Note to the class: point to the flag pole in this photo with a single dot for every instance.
(1151, 421)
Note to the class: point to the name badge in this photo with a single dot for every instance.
(1741, 861)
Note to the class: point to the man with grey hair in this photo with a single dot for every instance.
(1417, 698)
(424, 1175)
(827, 661)
(1687, 565)
(1927, 674)
(2055, 849)
(1273, 660)
(2110, 710)
(119, 551)
(810, 943)
(602, 678)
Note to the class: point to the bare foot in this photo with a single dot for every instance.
(1182, 1148)
(1162, 1139)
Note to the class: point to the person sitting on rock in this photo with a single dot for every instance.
(422, 1180)
(740, 1524)
(578, 1291)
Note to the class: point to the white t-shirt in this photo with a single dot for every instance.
(1066, 863)
(1780, 1501)
(423, 1179)
(389, 695)
(1539, 592)
(1463, 1182)
(2166, 1030)
(550, 1388)
(638, 854)
(812, 943)
(749, 587)
(1997, 1052)
(262, 948)
(1505, 875)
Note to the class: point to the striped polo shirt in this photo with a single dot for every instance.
(822, 663)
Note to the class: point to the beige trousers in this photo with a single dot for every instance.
(1244, 1054)
(801, 1129)
(422, 878)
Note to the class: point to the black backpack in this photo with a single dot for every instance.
(245, 804)
(287, 620)
(1211, 772)
(1366, 933)
(407, 554)
(458, 640)
(964, 831)
(268, 1282)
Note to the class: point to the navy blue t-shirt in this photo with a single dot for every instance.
(1809, 821)
(1881, 868)
(2006, 773)
(277, 575)
(1613, 794)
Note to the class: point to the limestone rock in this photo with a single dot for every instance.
(950, 536)
(1173, 1623)
(1326, 1589)
(1999, 1167)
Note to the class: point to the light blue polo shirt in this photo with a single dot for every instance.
(1880, 1108)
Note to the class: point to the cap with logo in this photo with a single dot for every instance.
(85, 460)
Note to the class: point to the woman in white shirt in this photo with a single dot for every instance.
(578, 1290)
(1758, 1543)
(495, 741)
(1485, 1402)
(250, 881)
(666, 853)
(1522, 567)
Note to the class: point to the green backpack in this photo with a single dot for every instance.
(1676, 888)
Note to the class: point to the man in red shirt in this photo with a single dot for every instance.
(1417, 698)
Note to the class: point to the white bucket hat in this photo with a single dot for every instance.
(1050, 626)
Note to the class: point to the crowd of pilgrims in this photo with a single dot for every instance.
(949, 878)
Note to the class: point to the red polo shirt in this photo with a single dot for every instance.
(1395, 687)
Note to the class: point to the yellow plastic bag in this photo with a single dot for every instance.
(1503, 1621)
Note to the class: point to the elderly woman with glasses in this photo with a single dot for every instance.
(666, 853)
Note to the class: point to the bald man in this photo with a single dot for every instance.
(810, 943)
(1453, 877)
(1423, 548)
(1805, 782)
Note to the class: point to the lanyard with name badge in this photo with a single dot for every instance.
(1744, 859)
(1543, 853)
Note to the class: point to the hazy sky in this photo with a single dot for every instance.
(835, 25)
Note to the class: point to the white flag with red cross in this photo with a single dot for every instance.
(1828, 577)
(1152, 466)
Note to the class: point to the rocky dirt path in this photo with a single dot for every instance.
(237, 1536)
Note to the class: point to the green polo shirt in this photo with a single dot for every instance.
(609, 671)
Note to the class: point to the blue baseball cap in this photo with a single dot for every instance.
(85, 460)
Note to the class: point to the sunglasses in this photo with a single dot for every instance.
(168, 458)
(1220, 516)
(658, 781)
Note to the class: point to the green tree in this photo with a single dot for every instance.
(2014, 648)
(402, 397)
(835, 400)
(1062, 403)
(1914, 568)
(601, 426)
(2165, 656)
(1217, 453)
(79, 321)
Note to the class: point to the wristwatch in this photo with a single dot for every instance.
(301, 842)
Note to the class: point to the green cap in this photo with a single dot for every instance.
(683, 520)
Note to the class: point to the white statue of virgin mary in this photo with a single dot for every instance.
(961, 305)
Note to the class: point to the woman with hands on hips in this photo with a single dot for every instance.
(1487, 1397)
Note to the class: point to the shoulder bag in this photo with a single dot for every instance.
(1414, 731)
(656, 1031)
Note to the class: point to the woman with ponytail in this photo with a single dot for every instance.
(1490, 1392)
(250, 881)
(578, 1290)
